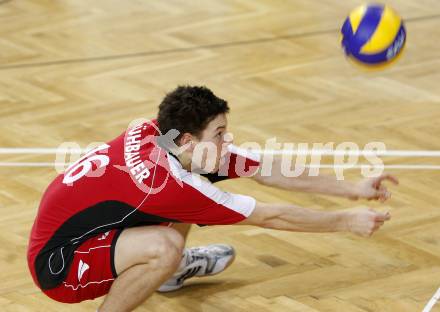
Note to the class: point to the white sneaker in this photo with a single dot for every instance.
(201, 261)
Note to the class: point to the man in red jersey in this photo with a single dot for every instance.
(116, 221)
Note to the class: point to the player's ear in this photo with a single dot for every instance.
(186, 142)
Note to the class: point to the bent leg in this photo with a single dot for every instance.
(145, 257)
(183, 229)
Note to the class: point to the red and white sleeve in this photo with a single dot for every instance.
(191, 199)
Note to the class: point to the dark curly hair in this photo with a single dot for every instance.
(189, 109)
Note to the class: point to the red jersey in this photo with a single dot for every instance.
(130, 181)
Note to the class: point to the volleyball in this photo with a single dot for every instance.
(373, 35)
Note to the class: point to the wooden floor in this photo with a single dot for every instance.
(77, 70)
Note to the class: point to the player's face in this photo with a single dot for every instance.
(212, 137)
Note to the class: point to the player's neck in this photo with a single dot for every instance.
(185, 161)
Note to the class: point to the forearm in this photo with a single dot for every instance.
(297, 219)
(361, 221)
(322, 184)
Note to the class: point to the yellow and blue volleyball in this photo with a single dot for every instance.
(373, 34)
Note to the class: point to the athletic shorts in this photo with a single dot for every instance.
(92, 270)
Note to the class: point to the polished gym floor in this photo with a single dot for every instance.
(80, 71)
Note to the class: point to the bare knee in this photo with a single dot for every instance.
(169, 248)
(160, 247)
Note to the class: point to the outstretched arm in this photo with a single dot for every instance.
(369, 188)
(360, 221)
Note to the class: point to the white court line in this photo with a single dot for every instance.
(38, 150)
(367, 166)
(29, 164)
(323, 152)
(432, 301)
